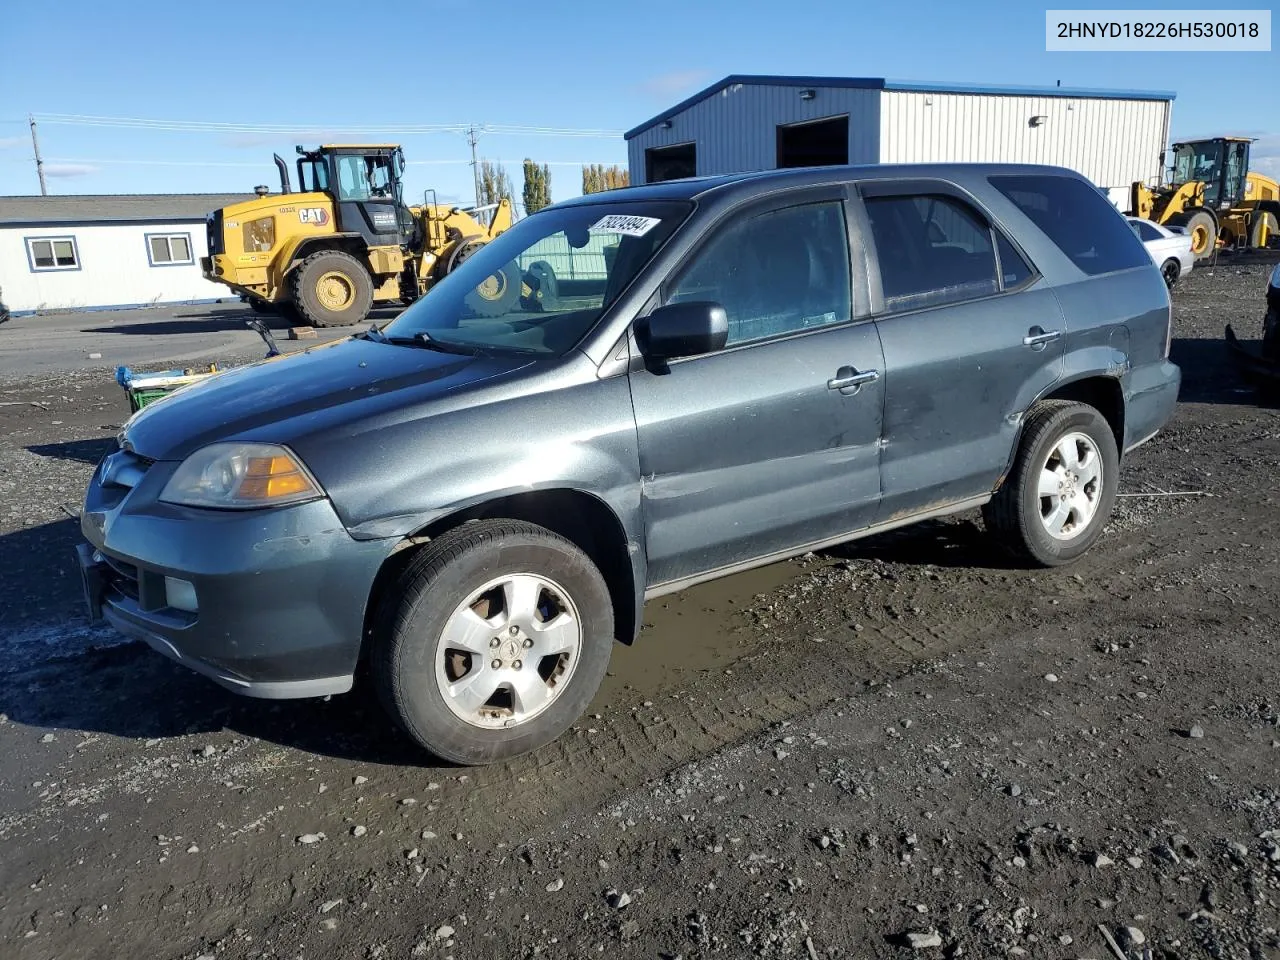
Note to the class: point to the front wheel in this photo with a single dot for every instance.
(492, 641)
(1056, 500)
(1170, 271)
(1204, 234)
(332, 289)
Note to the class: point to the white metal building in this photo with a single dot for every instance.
(745, 123)
(79, 252)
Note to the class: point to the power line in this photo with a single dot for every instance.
(267, 163)
(213, 126)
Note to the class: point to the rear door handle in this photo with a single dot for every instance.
(848, 377)
(1038, 338)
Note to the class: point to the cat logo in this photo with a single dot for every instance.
(314, 215)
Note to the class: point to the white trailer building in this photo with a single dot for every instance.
(746, 123)
(83, 252)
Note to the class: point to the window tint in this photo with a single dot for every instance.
(1014, 270)
(775, 273)
(1086, 227)
(932, 250)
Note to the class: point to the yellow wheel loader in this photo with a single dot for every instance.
(347, 241)
(1211, 195)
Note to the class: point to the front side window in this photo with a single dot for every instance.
(361, 178)
(53, 253)
(932, 249)
(774, 273)
(167, 250)
(541, 286)
(1078, 219)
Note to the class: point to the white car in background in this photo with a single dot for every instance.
(1169, 247)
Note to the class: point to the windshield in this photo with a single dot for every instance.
(541, 286)
(1199, 161)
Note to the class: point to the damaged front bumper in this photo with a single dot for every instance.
(268, 603)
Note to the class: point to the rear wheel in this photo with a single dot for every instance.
(1265, 230)
(332, 289)
(497, 293)
(1170, 270)
(1056, 500)
(492, 641)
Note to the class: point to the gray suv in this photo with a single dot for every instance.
(624, 395)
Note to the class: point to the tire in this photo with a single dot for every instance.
(1265, 230)
(1170, 270)
(1203, 229)
(1016, 515)
(1271, 337)
(332, 289)
(420, 676)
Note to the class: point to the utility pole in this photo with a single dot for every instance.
(472, 136)
(35, 143)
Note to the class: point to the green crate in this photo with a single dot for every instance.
(140, 398)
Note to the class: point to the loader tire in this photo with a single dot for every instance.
(1203, 230)
(1265, 231)
(332, 289)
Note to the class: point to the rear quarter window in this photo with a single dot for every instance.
(1083, 223)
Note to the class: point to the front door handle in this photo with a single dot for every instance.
(1037, 337)
(849, 379)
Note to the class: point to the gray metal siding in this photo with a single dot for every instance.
(1112, 142)
(736, 129)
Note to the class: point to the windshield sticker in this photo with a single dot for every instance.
(625, 225)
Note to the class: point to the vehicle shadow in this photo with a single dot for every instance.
(1210, 373)
(959, 541)
(82, 451)
(59, 672)
(214, 323)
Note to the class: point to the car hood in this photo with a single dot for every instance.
(281, 398)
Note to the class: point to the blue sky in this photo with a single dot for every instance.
(324, 68)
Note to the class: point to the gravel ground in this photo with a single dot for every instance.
(899, 747)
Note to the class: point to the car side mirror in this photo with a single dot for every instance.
(682, 330)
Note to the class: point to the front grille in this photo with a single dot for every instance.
(124, 469)
(122, 577)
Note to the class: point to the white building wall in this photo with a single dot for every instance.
(736, 129)
(1112, 142)
(114, 268)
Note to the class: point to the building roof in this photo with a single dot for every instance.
(114, 208)
(880, 83)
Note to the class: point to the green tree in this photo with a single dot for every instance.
(537, 186)
(597, 177)
(494, 183)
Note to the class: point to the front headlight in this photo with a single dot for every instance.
(240, 476)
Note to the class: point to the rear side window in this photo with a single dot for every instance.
(1146, 231)
(932, 250)
(1084, 225)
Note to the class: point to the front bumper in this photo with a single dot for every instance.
(281, 593)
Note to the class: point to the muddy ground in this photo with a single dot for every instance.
(899, 747)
